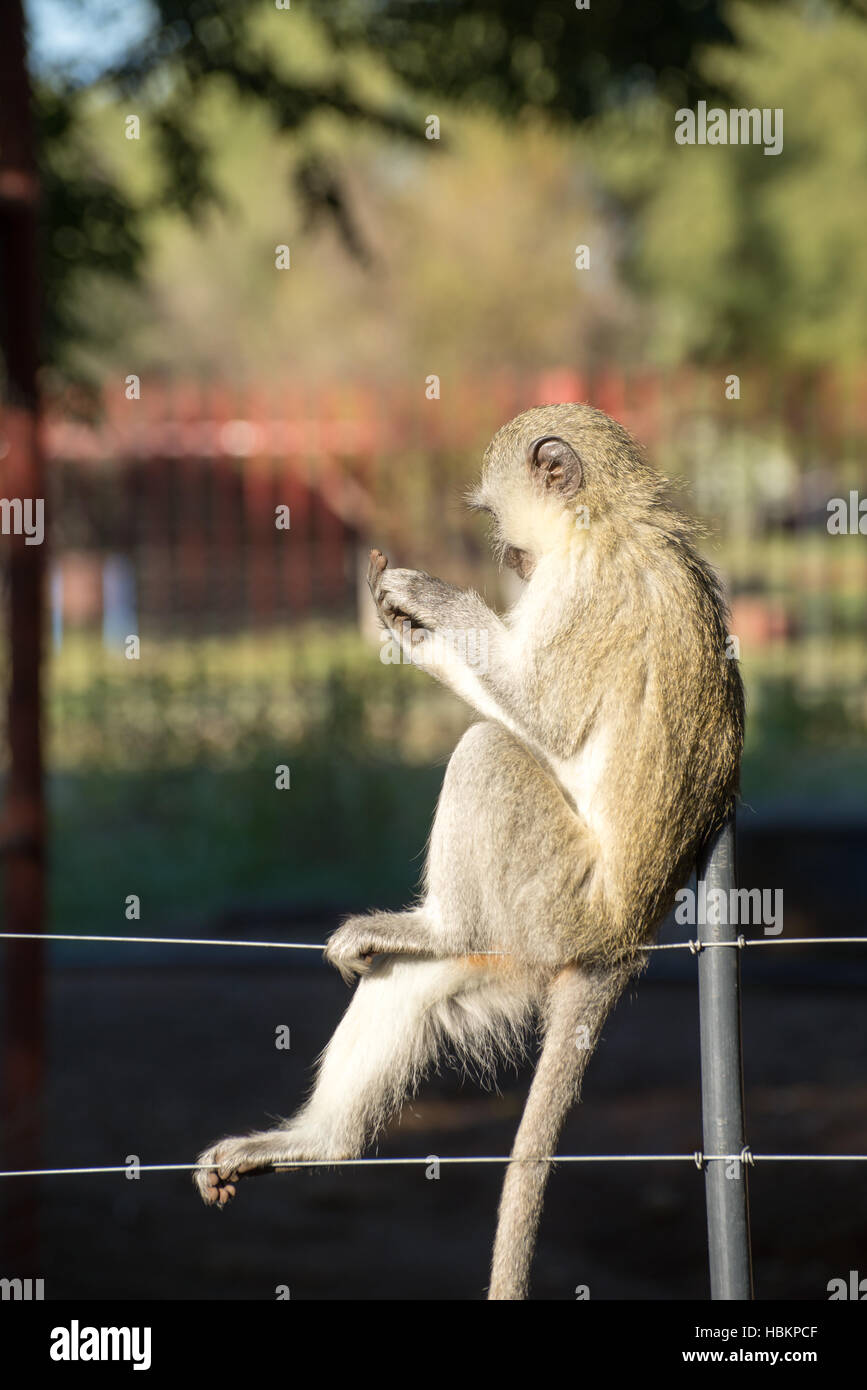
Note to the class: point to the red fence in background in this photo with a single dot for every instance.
(186, 485)
(179, 489)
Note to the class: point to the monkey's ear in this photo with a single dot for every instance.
(556, 464)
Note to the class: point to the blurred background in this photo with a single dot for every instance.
(258, 283)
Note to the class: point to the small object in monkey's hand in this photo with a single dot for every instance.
(388, 611)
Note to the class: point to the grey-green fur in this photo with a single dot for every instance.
(607, 751)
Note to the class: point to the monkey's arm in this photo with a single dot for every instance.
(450, 632)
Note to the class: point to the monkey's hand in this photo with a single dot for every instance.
(408, 595)
(224, 1164)
(450, 632)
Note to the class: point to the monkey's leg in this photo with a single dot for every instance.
(402, 1011)
(512, 867)
(579, 1001)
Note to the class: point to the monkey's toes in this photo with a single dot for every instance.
(214, 1190)
(224, 1165)
(349, 951)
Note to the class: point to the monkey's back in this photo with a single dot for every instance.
(663, 750)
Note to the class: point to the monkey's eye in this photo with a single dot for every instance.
(512, 557)
(477, 502)
(556, 463)
(521, 561)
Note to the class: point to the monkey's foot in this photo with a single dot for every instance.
(351, 948)
(237, 1158)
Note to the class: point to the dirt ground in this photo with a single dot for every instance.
(157, 1061)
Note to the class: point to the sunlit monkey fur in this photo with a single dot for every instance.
(606, 752)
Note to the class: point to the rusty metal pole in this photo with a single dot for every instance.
(22, 477)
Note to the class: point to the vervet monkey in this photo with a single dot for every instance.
(607, 751)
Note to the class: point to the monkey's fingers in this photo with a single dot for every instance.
(375, 569)
(396, 617)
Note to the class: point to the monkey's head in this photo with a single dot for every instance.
(557, 471)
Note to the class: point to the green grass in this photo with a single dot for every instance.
(194, 842)
(162, 771)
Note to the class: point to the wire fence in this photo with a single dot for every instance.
(163, 521)
(694, 945)
(163, 509)
(699, 1159)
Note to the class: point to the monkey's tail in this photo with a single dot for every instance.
(577, 1005)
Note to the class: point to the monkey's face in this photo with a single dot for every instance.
(550, 465)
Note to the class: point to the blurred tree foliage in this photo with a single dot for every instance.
(747, 255)
(512, 57)
(466, 256)
(94, 229)
(549, 55)
(464, 246)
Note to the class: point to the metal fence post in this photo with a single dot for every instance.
(722, 1103)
